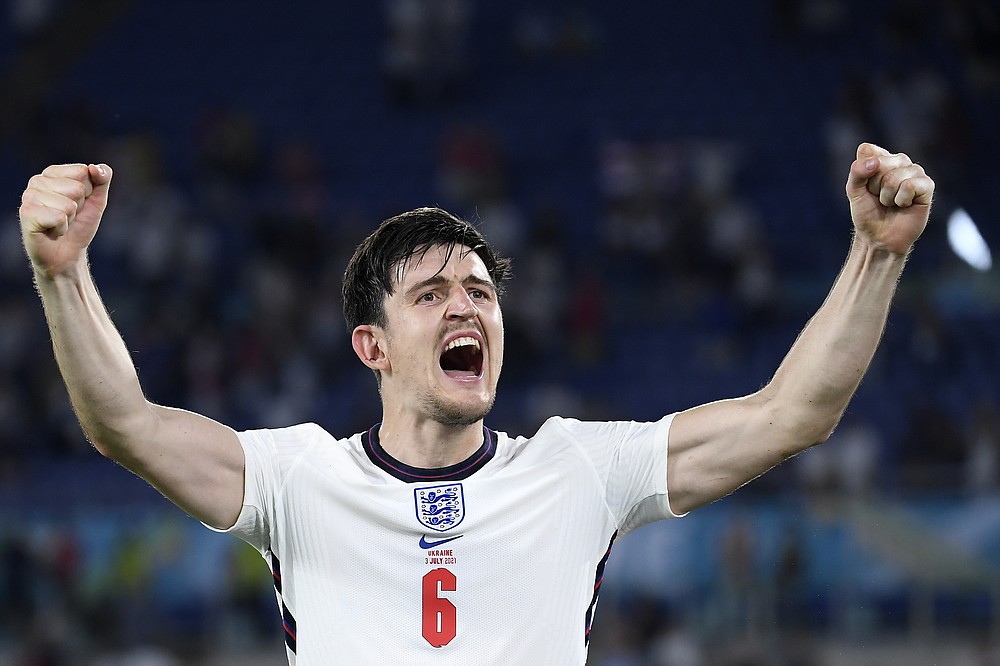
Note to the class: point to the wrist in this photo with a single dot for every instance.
(873, 263)
(878, 251)
(73, 272)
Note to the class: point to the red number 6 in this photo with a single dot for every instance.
(439, 613)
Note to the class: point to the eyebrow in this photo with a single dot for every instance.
(439, 280)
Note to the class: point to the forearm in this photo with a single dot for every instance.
(194, 461)
(822, 370)
(716, 448)
(95, 364)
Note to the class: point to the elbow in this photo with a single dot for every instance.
(814, 431)
(824, 420)
(801, 428)
(110, 446)
(823, 436)
(811, 429)
(826, 429)
(118, 439)
(807, 413)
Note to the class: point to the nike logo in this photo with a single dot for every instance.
(425, 544)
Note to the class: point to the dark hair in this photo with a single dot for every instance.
(378, 262)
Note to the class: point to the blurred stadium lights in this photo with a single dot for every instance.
(966, 241)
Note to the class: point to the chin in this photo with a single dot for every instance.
(459, 415)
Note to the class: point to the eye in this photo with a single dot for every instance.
(479, 294)
(428, 297)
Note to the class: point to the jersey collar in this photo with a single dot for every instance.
(457, 472)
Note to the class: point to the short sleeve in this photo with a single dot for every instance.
(630, 458)
(261, 480)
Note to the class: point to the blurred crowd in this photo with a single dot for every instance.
(223, 275)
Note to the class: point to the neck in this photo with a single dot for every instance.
(426, 443)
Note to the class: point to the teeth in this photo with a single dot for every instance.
(462, 342)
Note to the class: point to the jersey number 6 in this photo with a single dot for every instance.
(439, 613)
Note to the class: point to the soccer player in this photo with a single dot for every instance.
(431, 538)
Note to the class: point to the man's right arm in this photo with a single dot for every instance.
(194, 461)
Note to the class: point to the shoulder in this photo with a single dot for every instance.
(558, 427)
(292, 442)
(599, 440)
(554, 428)
(294, 435)
(557, 436)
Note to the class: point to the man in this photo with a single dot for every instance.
(430, 536)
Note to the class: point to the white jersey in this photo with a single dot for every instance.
(496, 560)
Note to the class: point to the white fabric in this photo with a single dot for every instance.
(536, 521)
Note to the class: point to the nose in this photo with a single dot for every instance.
(461, 306)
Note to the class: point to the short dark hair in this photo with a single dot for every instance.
(378, 262)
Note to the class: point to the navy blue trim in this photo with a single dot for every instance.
(275, 572)
(598, 580)
(288, 623)
(287, 619)
(457, 472)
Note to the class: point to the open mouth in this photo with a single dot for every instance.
(462, 357)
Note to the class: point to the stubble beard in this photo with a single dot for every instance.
(454, 415)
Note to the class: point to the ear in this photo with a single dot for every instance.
(366, 340)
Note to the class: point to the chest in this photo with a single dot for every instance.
(440, 565)
(518, 514)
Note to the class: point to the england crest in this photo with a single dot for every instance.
(440, 508)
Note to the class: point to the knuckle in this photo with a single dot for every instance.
(76, 190)
(37, 182)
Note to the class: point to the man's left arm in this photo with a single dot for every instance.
(717, 447)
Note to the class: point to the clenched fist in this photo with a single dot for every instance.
(890, 198)
(60, 212)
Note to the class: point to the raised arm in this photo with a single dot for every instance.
(716, 448)
(194, 461)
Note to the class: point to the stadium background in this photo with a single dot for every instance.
(667, 176)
